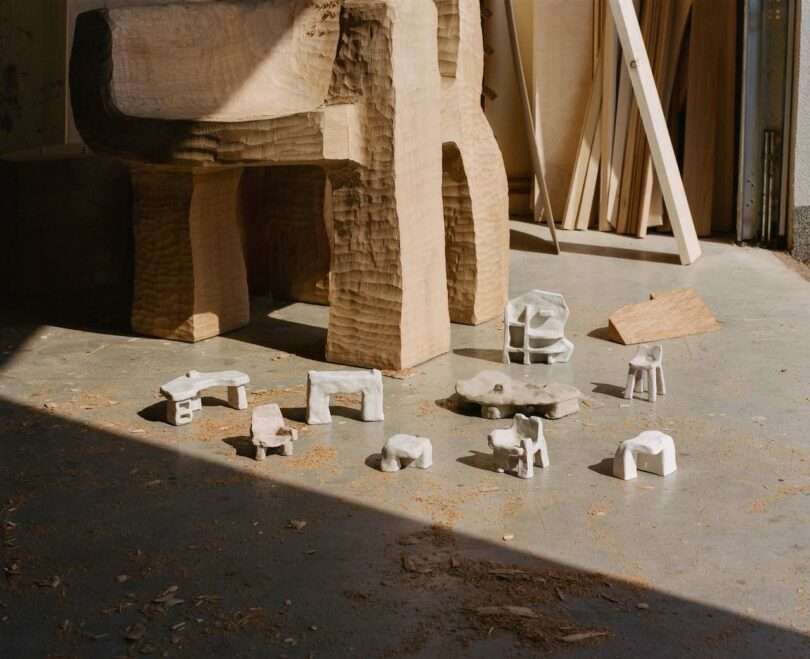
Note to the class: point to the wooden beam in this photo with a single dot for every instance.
(610, 67)
(534, 150)
(655, 126)
(587, 145)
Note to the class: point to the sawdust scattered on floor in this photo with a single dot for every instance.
(318, 457)
(494, 597)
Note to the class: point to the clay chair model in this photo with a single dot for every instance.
(645, 372)
(363, 90)
(534, 325)
(519, 448)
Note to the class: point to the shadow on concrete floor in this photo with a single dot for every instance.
(156, 412)
(526, 242)
(266, 331)
(478, 460)
(484, 354)
(122, 545)
(608, 389)
(605, 467)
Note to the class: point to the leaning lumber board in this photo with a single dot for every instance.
(681, 11)
(610, 66)
(709, 136)
(655, 126)
(665, 316)
(591, 179)
(562, 75)
(587, 144)
(623, 109)
(532, 129)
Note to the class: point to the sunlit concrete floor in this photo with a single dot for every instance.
(105, 508)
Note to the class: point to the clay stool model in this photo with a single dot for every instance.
(323, 384)
(534, 325)
(500, 396)
(268, 431)
(646, 372)
(370, 106)
(519, 448)
(183, 393)
(399, 448)
(651, 451)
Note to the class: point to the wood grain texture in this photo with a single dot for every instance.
(563, 72)
(261, 60)
(587, 143)
(710, 136)
(389, 289)
(655, 127)
(475, 187)
(608, 176)
(449, 36)
(666, 316)
(190, 279)
(380, 141)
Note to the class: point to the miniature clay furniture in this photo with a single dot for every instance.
(401, 448)
(534, 325)
(500, 396)
(519, 448)
(353, 87)
(268, 431)
(183, 393)
(651, 451)
(323, 384)
(646, 372)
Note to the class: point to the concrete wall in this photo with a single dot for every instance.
(801, 172)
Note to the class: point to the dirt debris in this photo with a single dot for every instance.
(527, 602)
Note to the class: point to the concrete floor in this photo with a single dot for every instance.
(104, 507)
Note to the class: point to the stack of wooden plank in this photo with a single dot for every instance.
(692, 50)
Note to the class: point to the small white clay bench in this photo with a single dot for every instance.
(323, 384)
(183, 393)
(651, 451)
(416, 450)
(519, 448)
(268, 431)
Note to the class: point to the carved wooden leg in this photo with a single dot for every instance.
(388, 292)
(190, 279)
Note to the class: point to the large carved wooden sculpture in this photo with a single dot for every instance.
(351, 87)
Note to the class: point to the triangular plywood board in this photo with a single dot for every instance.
(665, 316)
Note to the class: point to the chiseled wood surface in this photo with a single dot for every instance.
(389, 289)
(379, 136)
(261, 60)
(190, 279)
(666, 316)
(475, 187)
